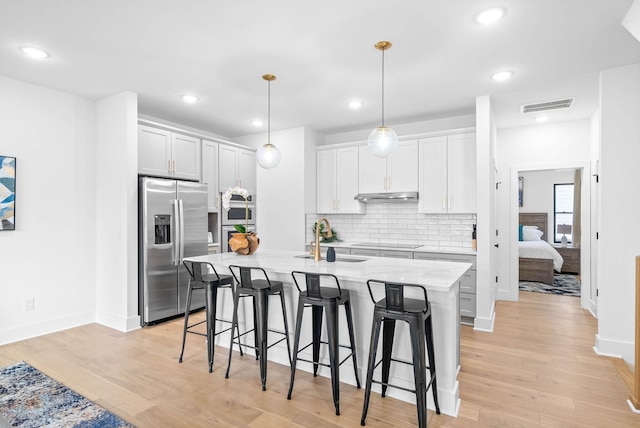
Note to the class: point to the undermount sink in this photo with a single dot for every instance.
(338, 259)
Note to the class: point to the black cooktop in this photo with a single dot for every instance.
(386, 245)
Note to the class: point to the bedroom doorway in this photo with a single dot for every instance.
(533, 193)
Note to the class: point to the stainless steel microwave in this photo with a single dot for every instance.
(240, 211)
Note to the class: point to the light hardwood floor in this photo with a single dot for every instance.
(538, 368)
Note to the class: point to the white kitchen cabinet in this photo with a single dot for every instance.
(237, 168)
(397, 172)
(337, 181)
(165, 153)
(210, 174)
(447, 174)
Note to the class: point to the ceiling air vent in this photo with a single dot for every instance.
(547, 105)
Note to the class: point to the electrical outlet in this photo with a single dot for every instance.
(29, 304)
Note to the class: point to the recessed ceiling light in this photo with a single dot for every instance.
(490, 16)
(355, 104)
(541, 119)
(187, 98)
(502, 75)
(257, 123)
(34, 52)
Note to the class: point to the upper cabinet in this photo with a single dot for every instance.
(237, 168)
(397, 172)
(447, 174)
(210, 174)
(337, 181)
(168, 154)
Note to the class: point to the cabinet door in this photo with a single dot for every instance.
(326, 181)
(461, 176)
(432, 175)
(402, 168)
(185, 155)
(247, 170)
(154, 151)
(228, 167)
(372, 171)
(347, 181)
(210, 175)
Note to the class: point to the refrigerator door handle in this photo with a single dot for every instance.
(181, 240)
(176, 232)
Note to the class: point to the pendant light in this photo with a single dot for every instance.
(268, 155)
(382, 140)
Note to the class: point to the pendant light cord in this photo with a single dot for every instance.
(382, 87)
(269, 113)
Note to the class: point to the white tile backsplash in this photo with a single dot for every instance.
(399, 223)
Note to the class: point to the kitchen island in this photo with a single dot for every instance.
(440, 278)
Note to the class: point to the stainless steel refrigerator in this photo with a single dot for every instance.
(172, 225)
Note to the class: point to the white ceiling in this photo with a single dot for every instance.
(322, 54)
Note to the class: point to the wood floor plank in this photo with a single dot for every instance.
(537, 368)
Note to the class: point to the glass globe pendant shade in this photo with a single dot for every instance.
(382, 141)
(268, 156)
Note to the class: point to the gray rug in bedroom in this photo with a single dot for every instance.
(563, 284)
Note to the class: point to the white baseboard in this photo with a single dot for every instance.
(45, 327)
(632, 407)
(485, 324)
(118, 322)
(615, 349)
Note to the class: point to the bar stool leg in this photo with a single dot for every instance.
(334, 357)
(296, 344)
(286, 325)
(261, 302)
(234, 326)
(211, 297)
(428, 328)
(186, 318)
(419, 371)
(316, 312)
(256, 345)
(388, 331)
(373, 349)
(352, 340)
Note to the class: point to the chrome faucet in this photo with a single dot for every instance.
(317, 256)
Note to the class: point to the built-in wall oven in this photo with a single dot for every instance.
(240, 211)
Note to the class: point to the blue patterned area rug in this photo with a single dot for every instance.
(563, 284)
(29, 398)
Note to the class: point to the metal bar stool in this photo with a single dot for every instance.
(324, 298)
(259, 290)
(200, 278)
(417, 313)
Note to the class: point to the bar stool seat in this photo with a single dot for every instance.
(259, 290)
(417, 313)
(203, 276)
(324, 299)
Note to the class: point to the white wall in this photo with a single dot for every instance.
(619, 207)
(534, 148)
(51, 256)
(285, 192)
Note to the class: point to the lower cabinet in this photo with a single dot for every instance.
(467, 283)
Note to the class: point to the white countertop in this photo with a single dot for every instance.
(433, 275)
(420, 249)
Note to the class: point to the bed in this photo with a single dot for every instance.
(537, 259)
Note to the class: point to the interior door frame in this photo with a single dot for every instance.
(586, 256)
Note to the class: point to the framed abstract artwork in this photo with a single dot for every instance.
(7, 193)
(520, 191)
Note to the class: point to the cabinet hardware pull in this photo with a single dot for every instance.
(449, 207)
(169, 165)
(174, 166)
(444, 202)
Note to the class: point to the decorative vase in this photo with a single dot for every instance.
(244, 243)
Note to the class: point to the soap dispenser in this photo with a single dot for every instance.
(331, 254)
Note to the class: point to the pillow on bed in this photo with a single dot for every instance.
(531, 234)
(520, 237)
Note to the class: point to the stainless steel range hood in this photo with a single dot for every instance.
(387, 197)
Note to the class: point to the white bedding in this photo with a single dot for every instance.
(540, 250)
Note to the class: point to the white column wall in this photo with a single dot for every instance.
(619, 241)
(287, 192)
(51, 256)
(117, 212)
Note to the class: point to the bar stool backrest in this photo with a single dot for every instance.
(312, 282)
(245, 279)
(394, 293)
(199, 269)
